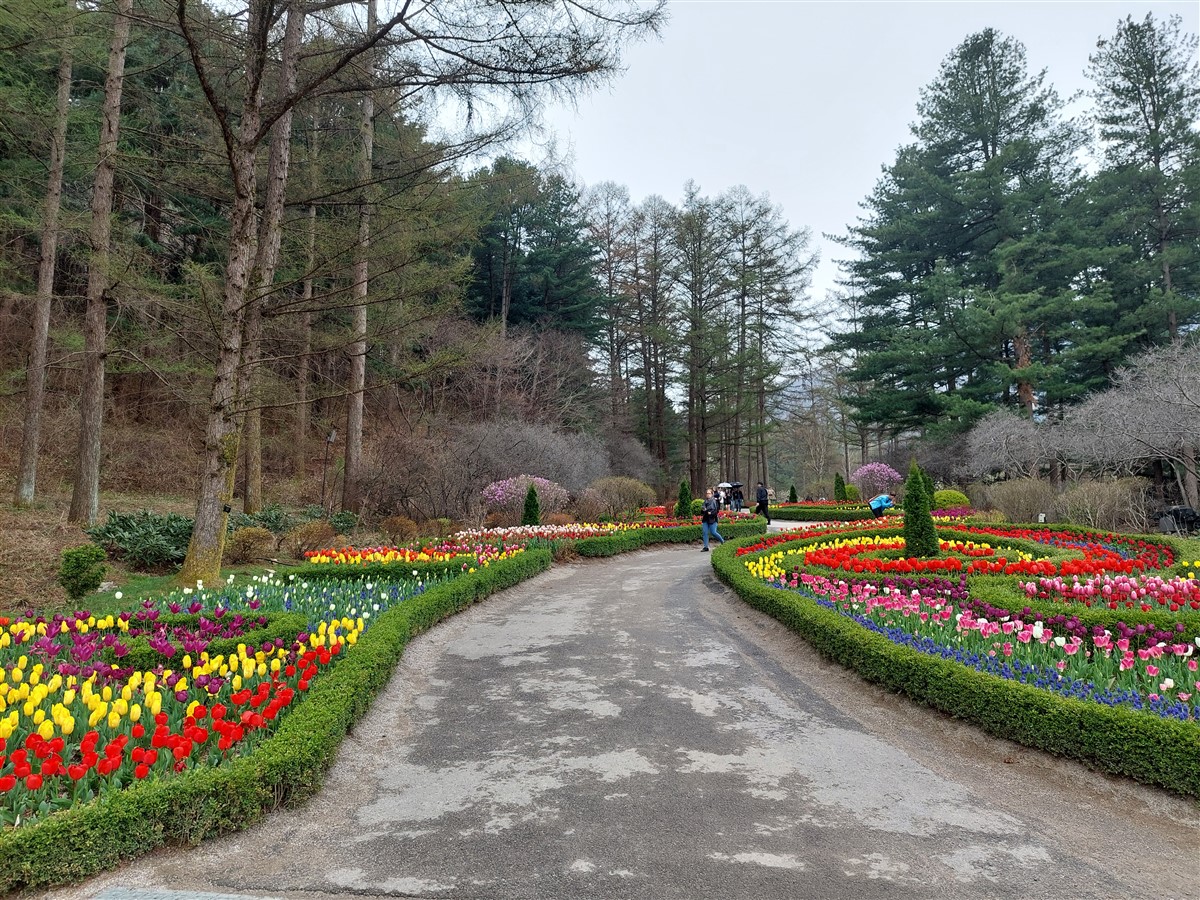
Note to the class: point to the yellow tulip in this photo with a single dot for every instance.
(46, 730)
(114, 720)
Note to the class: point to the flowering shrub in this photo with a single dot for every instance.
(876, 478)
(508, 496)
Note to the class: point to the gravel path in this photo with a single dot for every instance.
(629, 728)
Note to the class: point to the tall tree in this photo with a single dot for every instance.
(35, 378)
(85, 498)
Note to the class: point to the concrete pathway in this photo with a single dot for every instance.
(629, 728)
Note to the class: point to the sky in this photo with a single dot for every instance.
(804, 100)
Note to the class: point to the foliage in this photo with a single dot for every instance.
(144, 540)
(683, 506)
(249, 543)
(622, 495)
(948, 498)
(343, 521)
(839, 487)
(852, 493)
(309, 536)
(399, 529)
(875, 478)
(793, 497)
(82, 570)
(509, 495)
(531, 514)
(273, 517)
(920, 535)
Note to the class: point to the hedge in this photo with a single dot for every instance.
(624, 541)
(286, 768)
(802, 513)
(1120, 741)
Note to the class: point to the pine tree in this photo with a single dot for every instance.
(683, 508)
(532, 515)
(920, 536)
(839, 488)
(793, 497)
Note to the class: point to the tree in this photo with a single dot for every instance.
(792, 495)
(85, 498)
(35, 378)
(839, 488)
(920, 535)
(530, 514)
(533, 47)
(683, 505)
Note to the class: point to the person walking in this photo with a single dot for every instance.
(738, 498)
(709, 513)
(761, 496)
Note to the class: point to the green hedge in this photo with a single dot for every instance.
(285, 769)
(842, 513)
(1162, 752)
(624, 541)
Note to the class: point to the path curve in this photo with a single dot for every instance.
(629, 728)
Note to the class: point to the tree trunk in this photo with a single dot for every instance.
(300, 457)
(1024, 359)
(85, 499)
(270, 236)
(352, 479)
(35, 378)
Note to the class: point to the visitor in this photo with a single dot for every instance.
(709, 514)
(739, 499)
(760, 495)
(880, 504)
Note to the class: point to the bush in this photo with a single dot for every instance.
(875, 478)
(683, 507)
(1118, 505)
(1022, 499)
(507, 497)
(144, 541)
(399, 529)
(250, 543)
(853, 495)
(839, 488)
(589, 506)
(560, 519)
(621, 494)
(309, 536)
(950, 499)
(793, 497)
(274, 518)
(343, 521)
(82, 570)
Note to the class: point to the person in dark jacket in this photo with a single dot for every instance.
(709, 513)
(761, 496)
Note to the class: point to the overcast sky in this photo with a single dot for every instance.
(805, 100)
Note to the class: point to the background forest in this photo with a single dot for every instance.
(244, 259)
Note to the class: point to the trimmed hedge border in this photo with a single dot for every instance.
(288, 767)
(850, 513)
(1148, 749)
(623, 542)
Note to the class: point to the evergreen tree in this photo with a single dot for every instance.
(531, 514)
(920, 536)
(839, 488)
(793, 497)
(683, 507)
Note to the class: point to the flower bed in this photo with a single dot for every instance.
(961, 628)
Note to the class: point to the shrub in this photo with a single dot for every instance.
(399, 529)
(250, 543)
(315, 535)
(507, 497)
(1114, 505)
(793, 497)
(81, 570)
(343, 521)
(531, 514)
(144, 541)
(839, 488)
(852, 493)
(950, 499)
(683, 507)
(589, 506)
(274, 518)
(560, 519)
(1022, 498)
(920, 535)
(621, 494)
